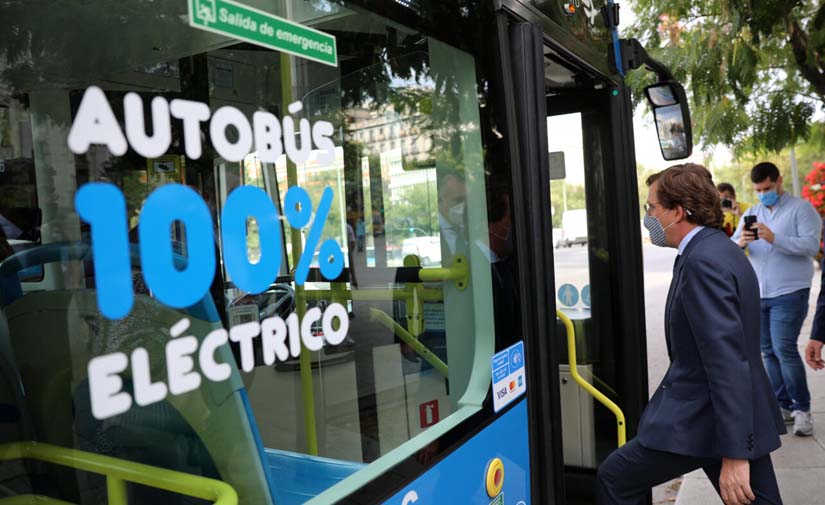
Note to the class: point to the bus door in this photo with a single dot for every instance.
(580, 205)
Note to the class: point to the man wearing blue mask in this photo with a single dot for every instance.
(781, 245)
(714, 408)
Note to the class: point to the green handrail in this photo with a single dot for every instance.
(404, 335)
(304, 360)
(595, 393)
(118, 472)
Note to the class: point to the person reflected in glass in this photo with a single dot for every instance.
(452, 208)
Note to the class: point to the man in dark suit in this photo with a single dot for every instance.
(715, 408)
(813, 351)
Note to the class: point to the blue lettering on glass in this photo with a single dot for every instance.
(242, 203)
(298, 211)
(103, 206)
(175, 287)
(181, 281)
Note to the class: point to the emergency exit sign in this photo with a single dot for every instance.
(255, 26)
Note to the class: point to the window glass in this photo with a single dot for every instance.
(402, 208)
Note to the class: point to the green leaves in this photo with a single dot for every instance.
(754, 69)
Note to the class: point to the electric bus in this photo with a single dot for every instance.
(208, 286)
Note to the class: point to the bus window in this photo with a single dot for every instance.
(400, 177)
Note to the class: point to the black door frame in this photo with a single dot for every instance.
(522, 70)
(523, 34)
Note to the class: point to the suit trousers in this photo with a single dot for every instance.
(628, 474)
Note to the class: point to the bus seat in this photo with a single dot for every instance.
(300, 477)
(54, 335)
(10, 289)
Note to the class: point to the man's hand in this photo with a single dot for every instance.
(813, 355)
(746, 237)
(765, 233)
(735, 482)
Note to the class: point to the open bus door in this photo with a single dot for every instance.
(575, 135)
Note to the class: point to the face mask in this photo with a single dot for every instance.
(768, 198)
(657, 233)
(455, 214)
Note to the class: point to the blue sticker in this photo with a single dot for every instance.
(516, 357)
(568, 295)
(586, 295)
(499, 374)
(501, 359)
(508, 375)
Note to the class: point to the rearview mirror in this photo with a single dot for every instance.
(670, 109)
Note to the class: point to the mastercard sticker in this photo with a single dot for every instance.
(509, 380)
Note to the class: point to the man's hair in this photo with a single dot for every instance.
(726, 187)
(764, 170)
(691, 187)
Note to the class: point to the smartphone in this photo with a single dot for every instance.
(727, 204)
(749, 222)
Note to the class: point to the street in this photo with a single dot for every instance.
(658, 271)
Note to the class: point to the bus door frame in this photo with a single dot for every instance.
(523, 34)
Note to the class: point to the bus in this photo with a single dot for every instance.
(208, 290)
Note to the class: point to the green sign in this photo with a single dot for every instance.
(499, 500)
(258, 27)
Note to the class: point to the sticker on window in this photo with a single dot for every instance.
(509, 380)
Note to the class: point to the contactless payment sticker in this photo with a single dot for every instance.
(509, 380)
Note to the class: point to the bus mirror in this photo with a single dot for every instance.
(670, 109)
(557, 167)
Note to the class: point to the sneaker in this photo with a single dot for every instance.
(787, 416)
(803, 425)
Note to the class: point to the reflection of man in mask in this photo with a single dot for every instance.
(452, 198)
(502, 266)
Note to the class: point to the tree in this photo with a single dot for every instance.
(561, 190)
(755, 69)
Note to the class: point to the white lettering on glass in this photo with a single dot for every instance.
(95, 123)
(280, 339)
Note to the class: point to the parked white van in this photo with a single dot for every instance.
(573, 228)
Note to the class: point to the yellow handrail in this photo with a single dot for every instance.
(118, 472)
(404, 335)
(458, 272)
(595, 393)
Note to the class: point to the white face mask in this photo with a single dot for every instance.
(455, 214)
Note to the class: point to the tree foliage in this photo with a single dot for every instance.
(755, 69)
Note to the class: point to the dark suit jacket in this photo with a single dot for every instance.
(715, 400)
(818, 330)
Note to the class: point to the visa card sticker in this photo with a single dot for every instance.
(508, 377)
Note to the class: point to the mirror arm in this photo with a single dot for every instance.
(634, 55)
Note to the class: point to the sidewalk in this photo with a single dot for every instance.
(800, 463)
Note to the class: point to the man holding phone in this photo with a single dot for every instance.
(781, 234)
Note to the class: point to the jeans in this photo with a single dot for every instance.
(781, 321)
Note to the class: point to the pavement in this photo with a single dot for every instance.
(799, 463)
